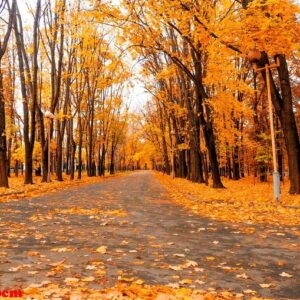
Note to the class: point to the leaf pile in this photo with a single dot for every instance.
(122, 291)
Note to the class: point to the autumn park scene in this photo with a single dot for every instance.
(149, 149)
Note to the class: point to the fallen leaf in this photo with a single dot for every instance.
(199, 270)
(244, 276)
(249, 292)
(33, 253)
(57, 263)
(190, 263)
(173, 285)
(126, 279)
(90, 267)
(88, 279)
(139, 282)
(175, 268)
(210, 258)
(266, 285)
(186, 281)
(71, 280)
(102, 249)
(179, 255)
(284, 274)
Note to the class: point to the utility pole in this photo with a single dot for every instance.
(253, 56)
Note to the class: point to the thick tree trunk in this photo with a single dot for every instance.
(263, 170)
(165, 155)
(45, 161)
(212, 154)
(3, 47)
(182, 168)
(68, 147)
(289, 126)
(112, 161)
(166, 161)
(235, 164)
(188, 164)
(3, 145)
(195, 169)
(102, 162)
(61, 130)
(205, 168)
(209, 138)
(3, 165)
(16, 168)
(9, 156)
(72, 158)
(228, 162)
(59, 159)
(79, 146)
(99, 160)
(28, 166)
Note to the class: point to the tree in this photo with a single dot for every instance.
(11, 7)
(29, 86)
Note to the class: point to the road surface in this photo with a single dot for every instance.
(129, 228)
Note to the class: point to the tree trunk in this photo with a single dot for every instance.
(3, 145)
(9, 156)
(195, 169)
(112, 161)
(235, 164)
(79, 145)
(212, 154)
(228, 162)
(72, 158)
(103, 154)
(28, 166)
(59, 158)
(16, 168)
(45, 160)
(289, 126)
(68, 149)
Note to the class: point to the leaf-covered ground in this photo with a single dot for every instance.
(17, 189)
(126, 238)
(245, 200)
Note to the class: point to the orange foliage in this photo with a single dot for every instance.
(123, 291)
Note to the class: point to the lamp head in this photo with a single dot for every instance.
(254, 55)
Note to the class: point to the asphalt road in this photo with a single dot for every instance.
(144, 236)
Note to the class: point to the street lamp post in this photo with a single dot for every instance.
(253, 56)
(49, 116)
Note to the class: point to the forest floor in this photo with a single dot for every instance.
(131, 238)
